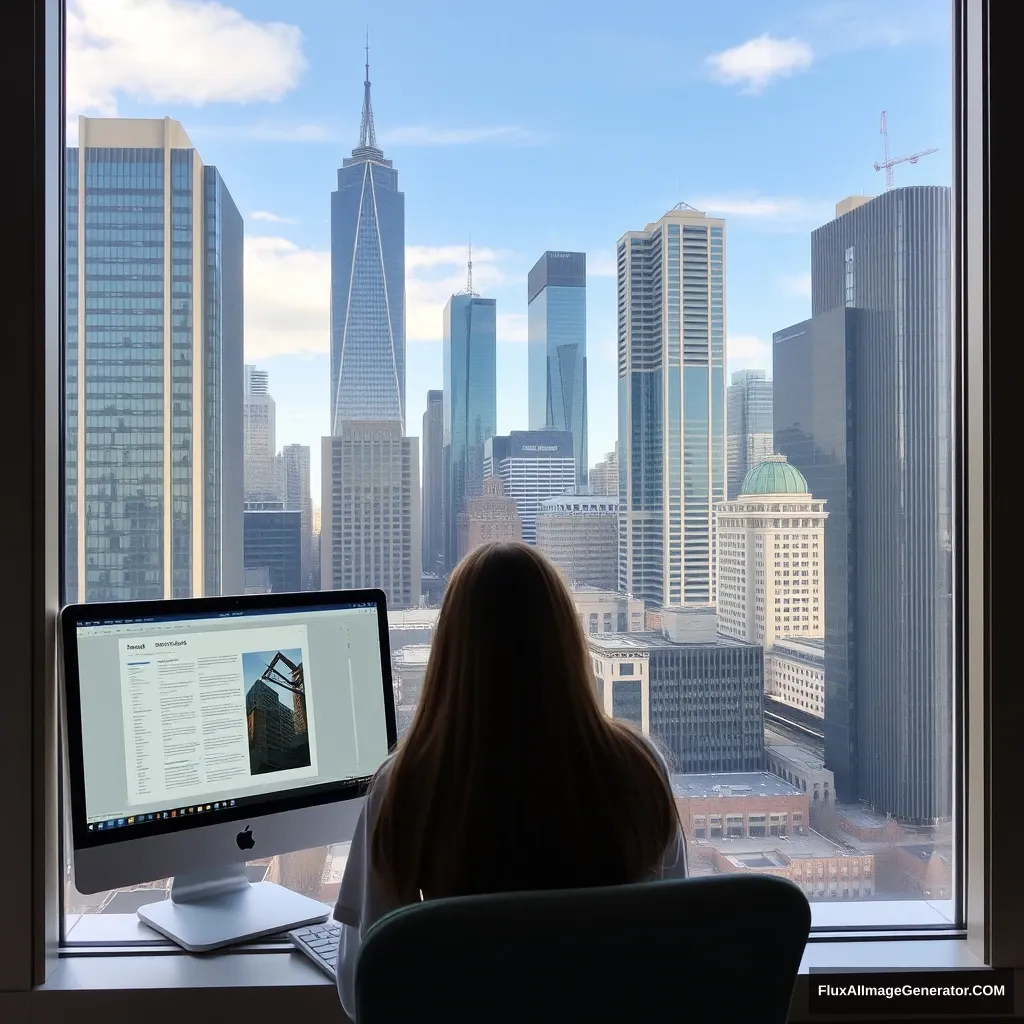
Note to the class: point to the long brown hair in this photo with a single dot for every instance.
(511, 777)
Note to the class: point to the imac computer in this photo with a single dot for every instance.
(205, 733)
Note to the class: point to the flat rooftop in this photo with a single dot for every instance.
(614, 643)
(412, 656)
(726, 784)
(802, 847)
(413, 618)
(780, 747)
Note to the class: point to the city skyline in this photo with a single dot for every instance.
(495, 162)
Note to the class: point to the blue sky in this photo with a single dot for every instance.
(528, 127)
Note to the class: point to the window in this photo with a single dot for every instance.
(119, 306)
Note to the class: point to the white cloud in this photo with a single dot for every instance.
(748, 352)
(287, 298)
(429, 135)
(768, 209)
(175, 51)
(288, 294)
(798, 284)
(270, 218)
(757, 62)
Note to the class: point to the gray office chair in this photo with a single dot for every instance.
(725, 948)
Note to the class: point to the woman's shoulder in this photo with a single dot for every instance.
(379, 780)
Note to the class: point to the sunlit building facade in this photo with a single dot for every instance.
(671, 380)
(153, 373)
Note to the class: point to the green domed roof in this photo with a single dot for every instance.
(774, 475)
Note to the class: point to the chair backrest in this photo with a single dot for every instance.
(722, 948)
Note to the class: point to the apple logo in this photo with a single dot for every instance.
(245, 840)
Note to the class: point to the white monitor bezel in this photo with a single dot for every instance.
(299, 819)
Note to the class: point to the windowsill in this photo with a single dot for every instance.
(85, 932)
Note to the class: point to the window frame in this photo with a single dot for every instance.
(35, 982)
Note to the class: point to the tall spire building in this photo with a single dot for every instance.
(367, 284)
(370, 507)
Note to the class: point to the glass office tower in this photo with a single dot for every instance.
(671, 348)
(367, 285)
(557, 330)
(470, 404)
(153, 467)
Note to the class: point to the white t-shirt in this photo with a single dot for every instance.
(362, 902)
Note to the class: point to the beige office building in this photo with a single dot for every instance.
(370, 511)
(771, 557)
(492, 516)
(580, 534)
(153, 466)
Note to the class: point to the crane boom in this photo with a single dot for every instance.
(890, 162)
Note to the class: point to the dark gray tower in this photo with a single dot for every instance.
(863, 407)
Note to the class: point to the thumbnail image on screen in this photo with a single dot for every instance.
(275, 710)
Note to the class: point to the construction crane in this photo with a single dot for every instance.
(890, 162)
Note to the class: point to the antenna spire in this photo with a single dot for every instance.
(367, 134)
(469, 268)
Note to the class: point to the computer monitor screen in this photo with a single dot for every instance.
(183, 714)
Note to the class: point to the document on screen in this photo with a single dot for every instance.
(223, 709)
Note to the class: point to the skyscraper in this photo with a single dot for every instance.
(433, 482)
(862, 408)
(671, 345)
(470, 404)
(297, 497)
(748, 406)
(367, 284)
(370, 499)
(259, 430)
(557, 329)
(153, 461)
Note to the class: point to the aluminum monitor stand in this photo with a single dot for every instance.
(212, 909)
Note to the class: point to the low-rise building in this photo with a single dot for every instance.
(737, 805)
(823, 870)
(794, 673)
(803, 769)
(605, 611)
(409, 666)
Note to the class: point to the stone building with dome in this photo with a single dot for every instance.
(770, 564)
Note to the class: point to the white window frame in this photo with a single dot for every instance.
(39, 984)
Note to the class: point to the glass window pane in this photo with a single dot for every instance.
(727, 422)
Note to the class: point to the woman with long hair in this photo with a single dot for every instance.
(511, 776)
